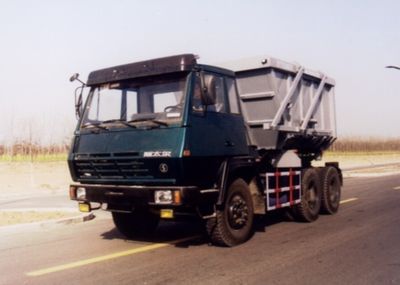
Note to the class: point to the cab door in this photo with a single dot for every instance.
(216, 130)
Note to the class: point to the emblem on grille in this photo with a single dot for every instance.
(163, 168)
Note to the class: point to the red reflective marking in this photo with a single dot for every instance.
(291, 187)
(277, 190)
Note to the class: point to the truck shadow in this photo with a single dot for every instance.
(179, 233)
(263, 222)
(192, 233)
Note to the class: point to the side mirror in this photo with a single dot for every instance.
(74, 77)
(209, 92)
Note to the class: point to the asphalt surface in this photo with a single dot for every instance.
(359, 245)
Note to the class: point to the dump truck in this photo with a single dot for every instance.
(170, 138)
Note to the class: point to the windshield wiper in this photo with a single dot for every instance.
(158, 122)
(143, 118)
(94, 125)
(125, 123)
(161, 123)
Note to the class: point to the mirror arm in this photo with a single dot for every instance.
(78, 101)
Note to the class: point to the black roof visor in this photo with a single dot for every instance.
(171, 64)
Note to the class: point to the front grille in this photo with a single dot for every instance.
(99, 166)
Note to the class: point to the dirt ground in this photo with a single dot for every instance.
(24, 179)
(20, 178)
(363, 159)
(371, 164)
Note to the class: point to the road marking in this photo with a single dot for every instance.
(397, 188)
(105, 257)
(348, 200)
(125, 253)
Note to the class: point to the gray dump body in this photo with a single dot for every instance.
(286, 105)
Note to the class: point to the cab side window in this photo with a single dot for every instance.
(220, 102)
(232, 94)
(217, 90)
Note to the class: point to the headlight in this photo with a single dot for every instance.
(163, 197)
(80, 193)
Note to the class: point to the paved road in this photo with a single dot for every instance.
(359, 245)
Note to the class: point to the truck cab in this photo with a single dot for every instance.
(155, 135)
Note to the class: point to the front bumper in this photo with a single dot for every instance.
(130, 197)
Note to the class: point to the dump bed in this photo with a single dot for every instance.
(285, 105)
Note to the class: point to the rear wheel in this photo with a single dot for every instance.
(233, 223)
(308, 209)
(136, 224)
(331, 190)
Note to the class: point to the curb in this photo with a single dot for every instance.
(371, 166)
(48, 223)
(351, 172)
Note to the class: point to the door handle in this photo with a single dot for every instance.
(228, 143)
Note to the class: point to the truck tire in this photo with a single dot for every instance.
(309, 207)
(136, 224)
(331, 190)
(233, 223)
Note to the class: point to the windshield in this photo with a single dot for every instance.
(151, 101)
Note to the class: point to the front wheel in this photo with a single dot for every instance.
(136, 224)
(233, 223)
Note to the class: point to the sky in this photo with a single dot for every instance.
(44, 42)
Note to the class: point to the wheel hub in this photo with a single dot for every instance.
(238, 212)
(333, 191)
(312, 196)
